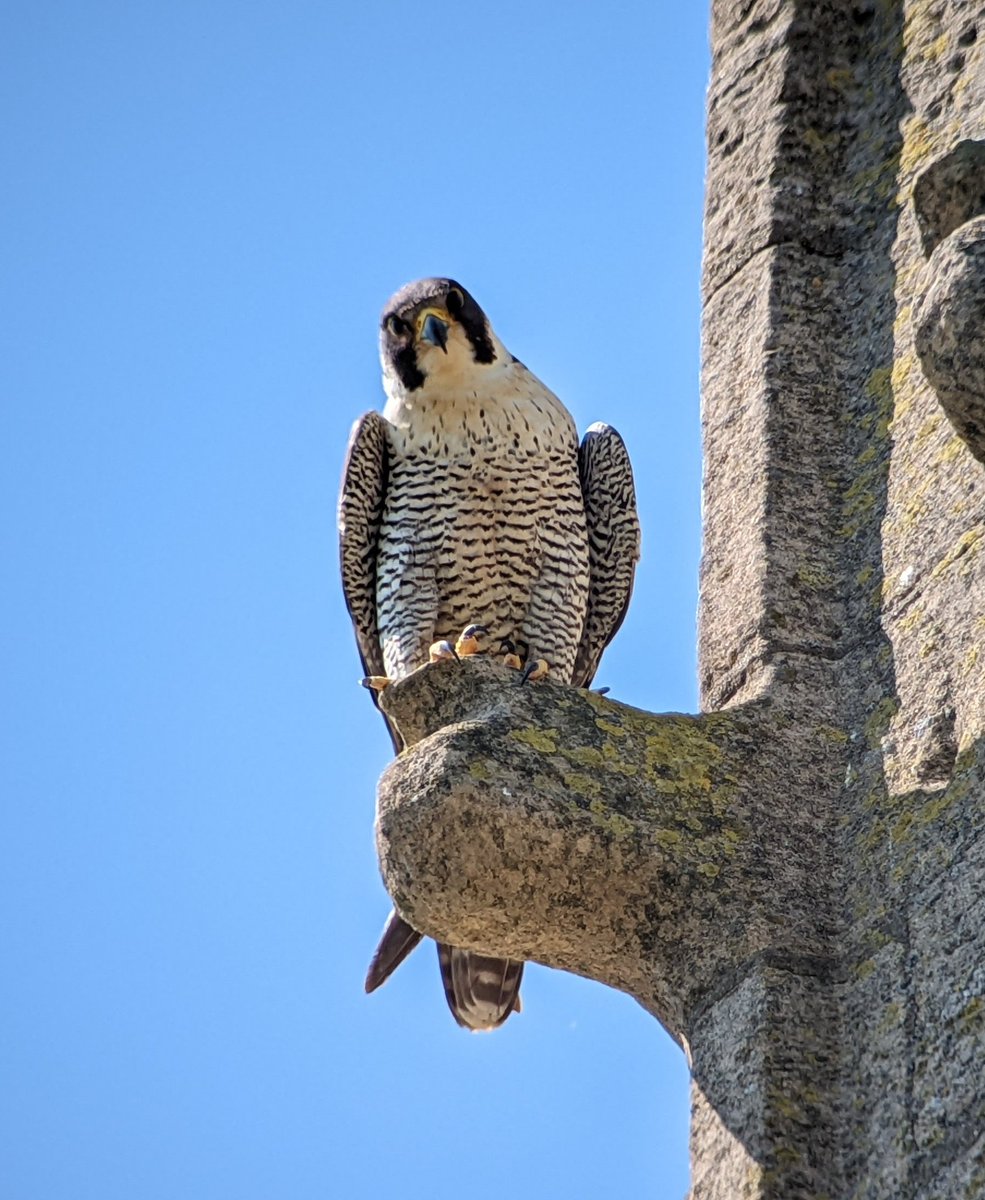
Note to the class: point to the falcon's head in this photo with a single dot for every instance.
(433, 332)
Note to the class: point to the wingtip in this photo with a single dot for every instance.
(396, 942)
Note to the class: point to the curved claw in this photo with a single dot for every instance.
(534, 670)
(510, 657)
(440, 651)
(468, 640)
(375, 683)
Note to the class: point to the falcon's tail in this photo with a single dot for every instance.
(396, 942)
(481, 991)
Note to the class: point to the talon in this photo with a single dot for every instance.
(376, 683)
(468, 641)
(439, 651)
(533, 671)
(510, 656)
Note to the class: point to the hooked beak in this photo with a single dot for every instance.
(435, 331)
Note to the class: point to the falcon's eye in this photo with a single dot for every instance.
(455, 302)
(395, 325)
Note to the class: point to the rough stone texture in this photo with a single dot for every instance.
(950, 192)
(949, 320)
(864, 551)
(794, 881)
(592, 836)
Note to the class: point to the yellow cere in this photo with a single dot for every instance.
(441, 313)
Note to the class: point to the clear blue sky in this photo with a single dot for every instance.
(205, 207)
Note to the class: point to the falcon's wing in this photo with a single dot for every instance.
(613, 542)
(396, 942)
(481, 991)
(364, 482)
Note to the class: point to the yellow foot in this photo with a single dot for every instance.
(469, 639)
(375, 683)
(534, 670)
(510, 656)
(440, 651)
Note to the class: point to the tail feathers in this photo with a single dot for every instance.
(481, 991)
(396, 942)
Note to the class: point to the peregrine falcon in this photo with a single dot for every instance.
(470, 499)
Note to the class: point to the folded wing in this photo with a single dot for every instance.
(613, 540)
(361, 502)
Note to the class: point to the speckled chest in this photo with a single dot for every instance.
(484, 514)
(479, 455)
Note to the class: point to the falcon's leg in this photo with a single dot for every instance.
(469, 640)
(510, 657)
(440, 651)
(466, 644)
(376, 683)
(536, 669)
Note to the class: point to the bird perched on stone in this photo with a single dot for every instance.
(470, 499)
